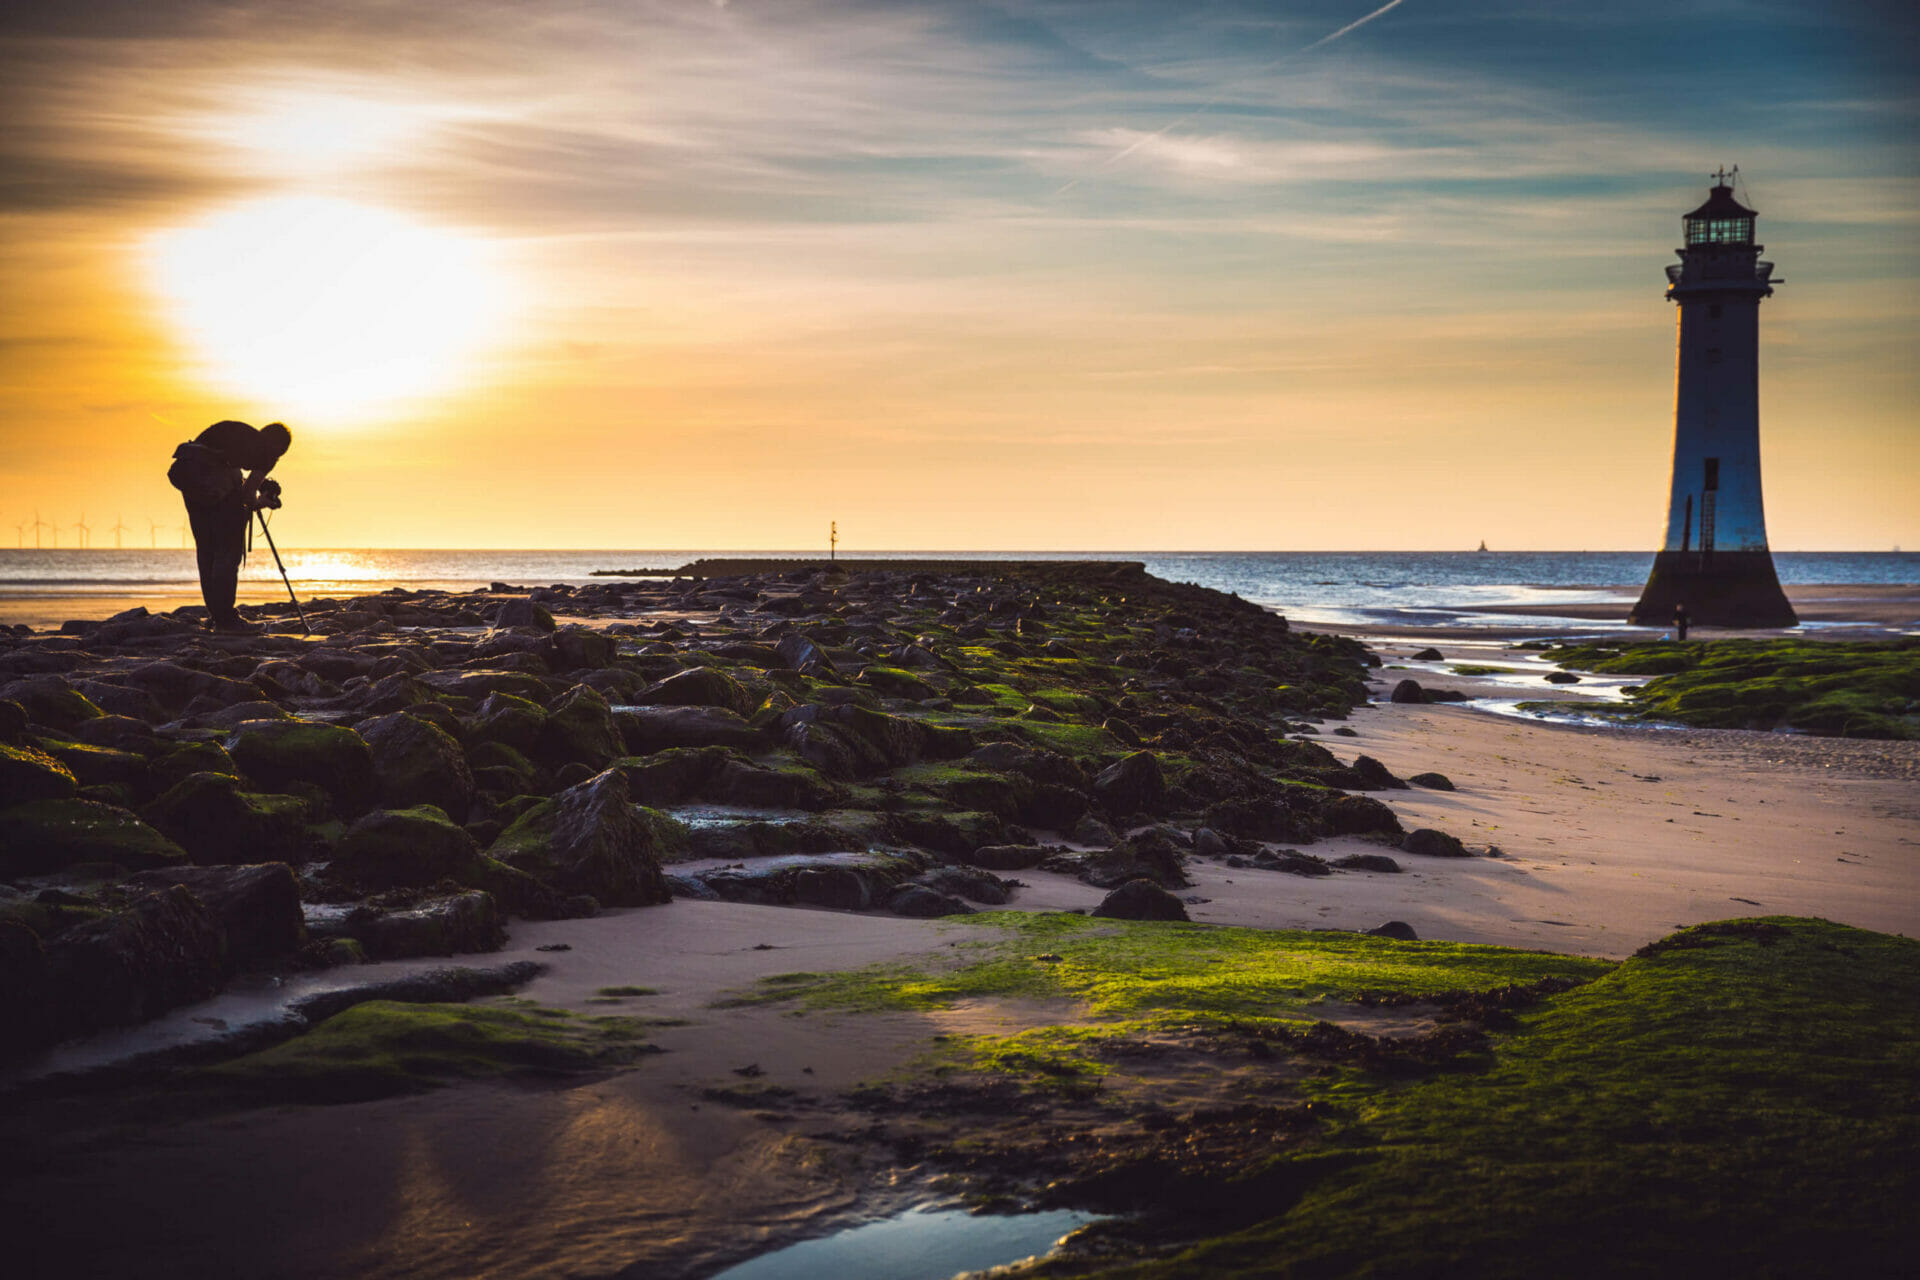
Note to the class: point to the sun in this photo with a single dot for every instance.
(325, 309)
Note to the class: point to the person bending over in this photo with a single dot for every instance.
(222, 475)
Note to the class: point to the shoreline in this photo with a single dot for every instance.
(1609, 837)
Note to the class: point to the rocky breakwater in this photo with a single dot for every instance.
(177, 807)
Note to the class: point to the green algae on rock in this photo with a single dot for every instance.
(1840, 688)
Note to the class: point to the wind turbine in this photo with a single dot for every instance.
(153, 533)
(119, 527)
(38, 525)
(86, 539)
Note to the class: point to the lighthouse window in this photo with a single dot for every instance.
(1720, 231)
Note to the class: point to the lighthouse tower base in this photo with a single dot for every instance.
(1719, 589)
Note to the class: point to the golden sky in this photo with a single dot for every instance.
(1120, 275)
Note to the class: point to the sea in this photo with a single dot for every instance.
(1332, 588)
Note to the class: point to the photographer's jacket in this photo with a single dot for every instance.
(212, 466)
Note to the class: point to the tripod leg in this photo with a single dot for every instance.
(304, 624)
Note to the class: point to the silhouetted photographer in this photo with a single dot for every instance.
(222, 474)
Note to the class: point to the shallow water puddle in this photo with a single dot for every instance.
(917, 1244)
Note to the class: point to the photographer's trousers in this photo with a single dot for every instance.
(220, 544)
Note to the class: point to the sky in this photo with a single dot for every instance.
(1073, 274)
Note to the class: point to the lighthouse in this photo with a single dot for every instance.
(1714, 560)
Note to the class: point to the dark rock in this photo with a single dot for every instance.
(96, 766)
(1428, 654)
(648, 729)
(463, 923)
(1092, 831)
(123, 733)
(181, 763)
(1007, 857)
(27, 773)
(1208, 843)
(1376, 775)
(257, 907)
(1433, 844)
(52, 835)
(414, 847)
(1407, 691)
(1444, 695)
(218, 822)
(674, 776)
(592, 839)
(280, 754)
(576, 647)
(1291, 861)
(1562, 677)
(522, 612)
(798, 653)
(416, 762)
(1359, 815)
(1399, 930)
(955, 833)
(175, 687)
(121, 700)
(580, 729)
(510, 720)
(1151, 854)
(923, 903)
(1432, 781)
(967, 882)
(164, 950)
(51, 701)
(697, 687)
(1367, 862)
(1140, 900)
(1133, 785)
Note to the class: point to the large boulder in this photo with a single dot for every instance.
(416, 762)
(52, 835)
(96, 766)
(696, 687)
(580, 730)
(674, 776)
(51, 701)
(174, 686)
(462, 923)
(1133, 785)
(1151, 854)
(27, 773)
(414, 847)
(218, 822)
(279, 754)
(163, 951)
(1407, 691)
(1359, 815)
(522, 612)
(649, 729)
(575, 647)
(592, 839)
(798, 653)
(511, 721)
(921, 902)
(1140, 900)
(257, 907)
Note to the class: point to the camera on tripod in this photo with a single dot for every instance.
(269, 495)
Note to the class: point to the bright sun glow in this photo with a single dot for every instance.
(328, 310)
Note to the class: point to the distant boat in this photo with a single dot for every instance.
(1483, 544)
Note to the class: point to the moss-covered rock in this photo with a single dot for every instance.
(593, 839)
(28, 773)
(97, 766)
(460, 924)
(50, 700)
(277, 754)
(256, 907)
(162, 951)
(579, 729)
(219, 822)
(416, 762)
(415, 846)
(1134, 785)
(510, 720)
(697, 687)
(1360, 815)
(51, 835)
(181, 763)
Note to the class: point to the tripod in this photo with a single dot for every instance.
(262, 516)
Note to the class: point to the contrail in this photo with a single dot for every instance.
(1221, 92)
